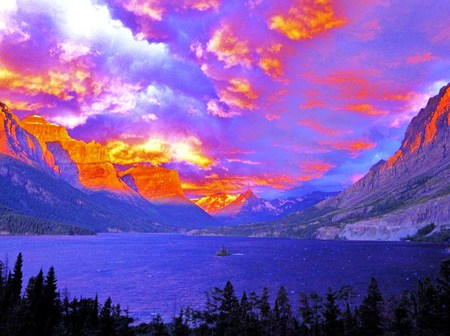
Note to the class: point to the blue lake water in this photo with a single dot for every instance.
(161, 273)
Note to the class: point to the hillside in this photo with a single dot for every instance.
(394, 200)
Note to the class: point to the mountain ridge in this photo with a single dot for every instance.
(44, 151)
(393, 201)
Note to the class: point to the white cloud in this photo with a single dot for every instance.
(70, 121)
(71, 50)
(149, 117)
(215, 108)
(84, 22)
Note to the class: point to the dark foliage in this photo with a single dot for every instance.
(40, 310)
(15, 223)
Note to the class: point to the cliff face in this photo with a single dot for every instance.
(398, 196)
(154, 183)
(20, 144)
(85, 165)
(424, 148)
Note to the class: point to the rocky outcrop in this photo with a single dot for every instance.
(156, 184)
(162, 187)
(401, 223)
(20, 144)
(84, 165)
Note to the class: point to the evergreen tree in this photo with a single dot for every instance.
(15, 281)
(370, 310)
(229, 310)
(403, 316)
(106, 322)
(283, 313)
(35, 313)
(350, 322)
(333, 325)
(265, 316)
(179, 326)
(51, 301)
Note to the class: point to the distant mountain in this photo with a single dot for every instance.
(248, 208)
(162, 187)
(46, 174)
(406, 195)
(213, 204)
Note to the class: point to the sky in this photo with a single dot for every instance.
(283, 97)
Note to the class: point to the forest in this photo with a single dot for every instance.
(39, 308)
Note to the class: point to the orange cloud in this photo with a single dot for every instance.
(319, 128)
(354, 147)
(271, 66)
(312, 103)
(239, 93)
(272, 116)
(58, 84)
(25, 106)
(314, 169)
(355, 84)
(420, 58)
(155, 9)
(202, 5)
(148, 8)
(213, 183)
(367, 109)
(229, 48)
(159, 150)
(306, 19)
(368, 31)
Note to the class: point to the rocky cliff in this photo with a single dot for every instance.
(46, 174)
(154, 183)
(85, 165)
(18, 143)
(398, 196)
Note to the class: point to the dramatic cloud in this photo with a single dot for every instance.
(159, 150)
(283, 97)
(305, 19)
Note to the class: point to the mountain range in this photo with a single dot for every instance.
(248, 208)
(48, 178)
(47, 175)
(406, 196)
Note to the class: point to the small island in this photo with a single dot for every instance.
(223, 252)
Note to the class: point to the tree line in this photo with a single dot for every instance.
(40, 309)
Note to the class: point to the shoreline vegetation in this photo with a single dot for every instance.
(40, 309)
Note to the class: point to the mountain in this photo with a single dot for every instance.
(83, 165)
(18, 143)
(162, 187)
(406, 195)
(28, 190)
(154, 183)
(248, 208)
(213, 204)
(48, 176)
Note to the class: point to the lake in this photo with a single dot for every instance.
(162, 273)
